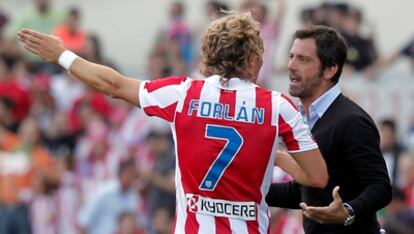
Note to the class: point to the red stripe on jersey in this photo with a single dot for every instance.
(222, 225)
(157, 84)
(228, 97)
(252, 227)
(166, 113)
(290, 101)
(191, 223)
(184, 145)
(285, 130)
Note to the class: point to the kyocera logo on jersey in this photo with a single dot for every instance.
(216, 207)
(192, 203)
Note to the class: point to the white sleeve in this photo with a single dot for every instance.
(294, 132)
(160, 97)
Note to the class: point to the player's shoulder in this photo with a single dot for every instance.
(273, 93)
(178, 78)
(168, 81)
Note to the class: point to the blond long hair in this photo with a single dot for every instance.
(227, 44)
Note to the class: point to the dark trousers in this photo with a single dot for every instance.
(14, 219)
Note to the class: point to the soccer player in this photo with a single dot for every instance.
(226, 128)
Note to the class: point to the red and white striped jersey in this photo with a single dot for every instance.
(226, 139)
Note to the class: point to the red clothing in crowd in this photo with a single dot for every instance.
(19, 96)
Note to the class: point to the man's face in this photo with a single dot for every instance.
(304, 69)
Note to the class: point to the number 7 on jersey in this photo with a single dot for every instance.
(226, 156)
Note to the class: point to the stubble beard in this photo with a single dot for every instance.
(307, 88)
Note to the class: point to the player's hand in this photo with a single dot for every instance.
(47, 47)
(334, 213)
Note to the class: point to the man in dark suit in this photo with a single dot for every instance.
(348, 139)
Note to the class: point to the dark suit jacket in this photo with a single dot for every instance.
(349, 142)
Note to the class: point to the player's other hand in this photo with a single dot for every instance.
(47, 47)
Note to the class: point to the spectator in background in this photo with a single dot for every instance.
(4, 41)
(215, 10)
(157, 65)
(42, 16)
(166, 54)
(43, 104)
(127, 224)
(347, 19)
(390, 147)
(406, 175)
(269, 31)
(407, 51)
(409, 135)
(24, 162)
(67, 198)
(71, 32)
(399, 218)
(58, 138)
(362, 52)
(7, 45)
(160, 178)
(334, 14)
(3, 22)
(93, 48)
(163, 220)
(177, 36)
(6, 116)
(12, 88)
(66, 91)
(93, 162)
(90, 98)
(99, 215)
(307, 17)
(44, 202)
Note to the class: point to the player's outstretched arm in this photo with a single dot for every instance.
(99, 77)
(307, 168)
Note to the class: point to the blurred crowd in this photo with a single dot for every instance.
(75, 161)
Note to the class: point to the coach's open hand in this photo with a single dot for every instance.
(47, 47)
(334, 213)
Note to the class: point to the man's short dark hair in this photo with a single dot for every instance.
(331, 48)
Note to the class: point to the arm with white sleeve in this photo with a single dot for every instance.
(297, 166)
(303, 160)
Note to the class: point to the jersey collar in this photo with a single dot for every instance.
(235, 83)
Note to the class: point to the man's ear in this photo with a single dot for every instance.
(329, 72)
